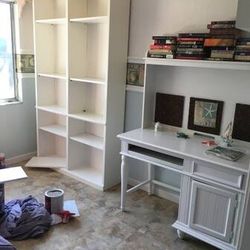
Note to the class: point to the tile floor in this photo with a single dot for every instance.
(101, 226)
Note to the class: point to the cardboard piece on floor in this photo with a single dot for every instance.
(71, 206)
(12, 174)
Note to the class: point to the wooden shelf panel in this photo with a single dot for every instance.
(88, 175)
(53, 75)
(52, 21)
(52, 161)
(56, 129)
(135, 88)
(90, 20)
(90, 140)
(89, 117)
(53, 109)
(199, 63)
(88, 80)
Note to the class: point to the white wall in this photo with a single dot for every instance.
(166, 17)
(25, 30)
(161, 17)
(17, 122)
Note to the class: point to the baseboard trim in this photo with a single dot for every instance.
(163, 193)
(20, 158)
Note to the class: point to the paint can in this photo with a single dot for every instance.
(54, 200)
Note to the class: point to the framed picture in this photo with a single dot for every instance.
(135, 74)
(241, 125)
(205, 115)
(169, 109)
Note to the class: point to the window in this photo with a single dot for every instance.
(8, 82)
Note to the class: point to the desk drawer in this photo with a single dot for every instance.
(218, 173)
(156, 157)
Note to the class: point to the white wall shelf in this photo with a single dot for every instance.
(199, 63)
(53, 75)
(55, 129)
(55, 21)
(53, 109)
(90, 140)
(139, 89)
(89, 117)
(90, 20)
(138, 60)
(88, 80)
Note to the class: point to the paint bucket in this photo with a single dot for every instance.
(54, 200)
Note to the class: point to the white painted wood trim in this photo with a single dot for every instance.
(139, 89)
(136, 60)
(231, 197)
(157, 191)
(201, 236)
(25, 51)
(135, 188)
(52, 21)
(199, 63)
(96, 19)
(25, 75)
(20, 158)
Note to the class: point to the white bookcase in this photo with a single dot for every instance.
(81, 55)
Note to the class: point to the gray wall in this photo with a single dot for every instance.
(162, 17)
(18, 123)
(137, 170)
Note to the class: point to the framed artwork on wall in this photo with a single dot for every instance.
(169, 109)
(135, 74)
(241, 125)
(205, 115)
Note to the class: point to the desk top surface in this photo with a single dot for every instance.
(167, 141)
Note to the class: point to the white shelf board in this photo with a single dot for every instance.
(53, 75)
(53, 109)
(88, 80)
(135, 88)
(88, 175)
(90, 140)
(90, 20)
(138, 60)
(55, 129)
(52, 21)
(52, 161)
(89, 117)
(199, 63)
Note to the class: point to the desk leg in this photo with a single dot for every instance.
(124, 182)
(150, 177)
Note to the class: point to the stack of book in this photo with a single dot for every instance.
(242, 50)
(162, 47)
(190, 46)
(220, 44)
(224, 28)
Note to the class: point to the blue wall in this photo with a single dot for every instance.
(137, 170)
(18, 123)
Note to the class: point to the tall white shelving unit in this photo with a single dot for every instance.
(81, 54)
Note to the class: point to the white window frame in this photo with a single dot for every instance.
(13, 38)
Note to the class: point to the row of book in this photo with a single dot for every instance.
(223, 42)
(223, 35)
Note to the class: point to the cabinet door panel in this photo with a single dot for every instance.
(212, 210)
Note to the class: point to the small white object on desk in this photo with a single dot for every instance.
(157, 126)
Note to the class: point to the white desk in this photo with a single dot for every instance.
(214, 192)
